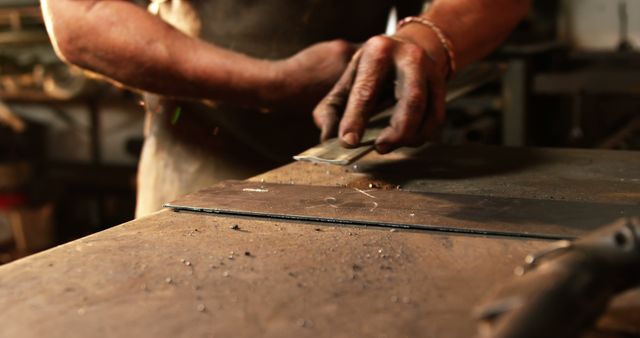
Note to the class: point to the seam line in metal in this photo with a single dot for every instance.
(367, 223)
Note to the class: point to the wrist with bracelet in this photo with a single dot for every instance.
(446, 43)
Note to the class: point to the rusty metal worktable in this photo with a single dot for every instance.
(191, 275)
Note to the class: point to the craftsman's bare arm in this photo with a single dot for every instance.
(124, 42)
(411, 67)
(476, 27)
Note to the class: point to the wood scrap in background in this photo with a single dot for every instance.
(33, 228)
(627, 138)
(8, 118)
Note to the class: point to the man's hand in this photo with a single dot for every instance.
(384, 69)
(409, 71)
(306, 77)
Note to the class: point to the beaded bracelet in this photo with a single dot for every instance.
(446, 42)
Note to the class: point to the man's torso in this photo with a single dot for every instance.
(208, 144)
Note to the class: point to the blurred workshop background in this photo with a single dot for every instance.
(69, 143)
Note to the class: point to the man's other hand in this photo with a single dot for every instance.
(304, 78)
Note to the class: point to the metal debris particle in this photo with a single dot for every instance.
(176, 116)
(305, 323)
(202, 308)
(255, 190)
(235, 227)
(187, 263)
(366, 194)
(225, 274)
(393, 230)
(168, 280)
(519, 271)
(247, 253)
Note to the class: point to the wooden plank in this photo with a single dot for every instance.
(169, 275)
(309, 280)
(299, 280)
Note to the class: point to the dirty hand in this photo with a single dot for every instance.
(304, 78)
(386, 69)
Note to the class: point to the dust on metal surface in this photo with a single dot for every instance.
(520, 217)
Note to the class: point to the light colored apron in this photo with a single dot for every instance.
(189, 146)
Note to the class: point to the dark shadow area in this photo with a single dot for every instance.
(534, 215)
(450, 162)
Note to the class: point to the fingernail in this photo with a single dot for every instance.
(351, 139)
(383, 148)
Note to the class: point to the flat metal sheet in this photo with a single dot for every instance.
(520, 217)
